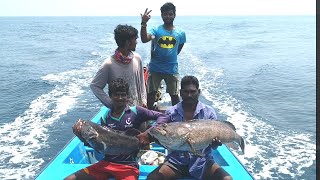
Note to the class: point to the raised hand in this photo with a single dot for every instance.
(145, 16)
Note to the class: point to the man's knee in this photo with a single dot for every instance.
(216, 172)
(160, 176)
(155, 176)
(227, 178)
(70, 177)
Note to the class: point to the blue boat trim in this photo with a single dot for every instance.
(75, 156)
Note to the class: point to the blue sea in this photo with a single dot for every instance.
(258, 72)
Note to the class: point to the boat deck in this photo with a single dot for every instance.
(75, 156)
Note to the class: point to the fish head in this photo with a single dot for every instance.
(88, 129)
(80, 127)
(167, 135)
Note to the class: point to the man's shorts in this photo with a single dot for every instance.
(171, 80)
(103, 170)
(184, 169)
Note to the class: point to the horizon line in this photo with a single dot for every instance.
(153, 16)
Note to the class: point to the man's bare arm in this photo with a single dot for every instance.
(145, 37)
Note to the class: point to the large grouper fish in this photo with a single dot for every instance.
(195, 135)
(108, 141)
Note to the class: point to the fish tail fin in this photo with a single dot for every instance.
(242, 144)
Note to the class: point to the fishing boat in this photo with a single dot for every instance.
(75, 156)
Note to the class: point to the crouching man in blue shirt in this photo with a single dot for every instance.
(182, 163)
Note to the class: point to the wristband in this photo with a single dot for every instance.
(143, 24)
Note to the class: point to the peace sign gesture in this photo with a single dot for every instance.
(145, 16)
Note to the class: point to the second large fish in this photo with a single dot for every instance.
(108, 141)
(195, 135)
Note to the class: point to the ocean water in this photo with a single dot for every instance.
(258, 72)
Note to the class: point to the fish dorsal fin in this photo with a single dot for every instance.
(229, 124)
(132, 132)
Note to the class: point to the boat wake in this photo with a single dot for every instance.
(28, 133)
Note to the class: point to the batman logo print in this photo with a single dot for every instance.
(167, 42)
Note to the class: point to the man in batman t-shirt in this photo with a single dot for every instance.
(168, 42)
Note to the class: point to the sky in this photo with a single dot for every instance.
(135, 7)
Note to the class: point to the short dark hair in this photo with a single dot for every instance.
(118, 85)
(167, 7)
(187, 80)
(122, 33)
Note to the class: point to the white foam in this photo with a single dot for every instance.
(27, 134)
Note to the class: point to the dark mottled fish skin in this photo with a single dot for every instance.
(195, 135)
(109, 141)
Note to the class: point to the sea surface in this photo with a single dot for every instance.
(258, 72)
